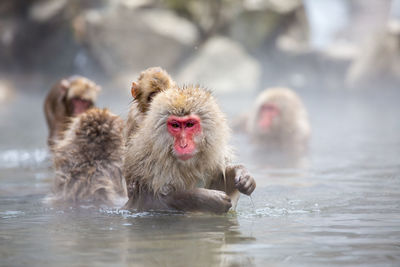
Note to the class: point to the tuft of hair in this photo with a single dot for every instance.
(88, 160)
(293, 125)
(150, 154)
(83, 87)
(151, 80)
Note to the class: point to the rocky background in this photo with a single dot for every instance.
(227, 45)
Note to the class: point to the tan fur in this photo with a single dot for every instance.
(83, 88)
(150, 81)
(57, 104)
(88, 160)
(150, 160)
(290, 129)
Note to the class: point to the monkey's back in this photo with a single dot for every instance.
(88, 160)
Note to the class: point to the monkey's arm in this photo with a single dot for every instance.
(199, 199)
(236, 178)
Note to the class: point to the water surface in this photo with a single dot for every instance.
(337, 205)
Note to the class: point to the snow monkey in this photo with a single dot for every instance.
(179, 158)
(278, 120)
(150, 82)
(67, 98)
(88, 160)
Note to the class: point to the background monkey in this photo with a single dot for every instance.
(150, 82)
(68, 98)
(179, 157)
(278, 120)
(88, 160)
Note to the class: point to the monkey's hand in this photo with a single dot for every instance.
(244, 182)
(219, 201)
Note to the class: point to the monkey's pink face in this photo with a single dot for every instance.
(184, 129)
(80, 105)
(266, 116)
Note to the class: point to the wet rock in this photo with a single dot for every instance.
(222, 65)
(127, 40)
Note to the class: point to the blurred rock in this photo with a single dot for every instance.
(279, 6)
(127, 40)
(222, 65)
(252, 28)
(7, 91)
(378, 62)
(42, 11)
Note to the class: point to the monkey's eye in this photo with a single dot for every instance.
(150, 96)
(189, 124)
(175, 125)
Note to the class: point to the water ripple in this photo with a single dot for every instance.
(15, 158)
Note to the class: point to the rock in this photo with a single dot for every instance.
(127, 40)
(378, 63)
(6, 91)
(251, 28)
(42, 11)
(222, 65)
(279, 6)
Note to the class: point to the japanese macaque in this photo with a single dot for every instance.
(88, 160)
(179, 157)
(151, 81)
(278, 120)
(66, 99)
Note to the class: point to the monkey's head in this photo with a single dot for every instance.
(81, 94)
(151, 81)
(276, 110)
(97, 133)
(190, 124)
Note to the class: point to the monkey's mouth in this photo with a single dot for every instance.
(80, 105)
(185, 157)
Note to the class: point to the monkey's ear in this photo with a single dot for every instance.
(64, 85)
(134, 90)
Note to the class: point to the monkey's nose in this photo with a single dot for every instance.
(183, 143)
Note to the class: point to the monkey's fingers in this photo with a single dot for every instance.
(250, 189)
(224, 202)
(246, 185)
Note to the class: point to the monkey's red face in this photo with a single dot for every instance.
(184, 130)
(267, 114)
(79, 105)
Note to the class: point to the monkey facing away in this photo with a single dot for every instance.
(66, 99)
(278, 120)
(150, 82)
(88, 160)
(179, 157)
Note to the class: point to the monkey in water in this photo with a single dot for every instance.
(278, 120)
(150, 82)
(66, 99)
(88, 160)
(179, 158)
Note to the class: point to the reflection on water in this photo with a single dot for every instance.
(339, 204)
